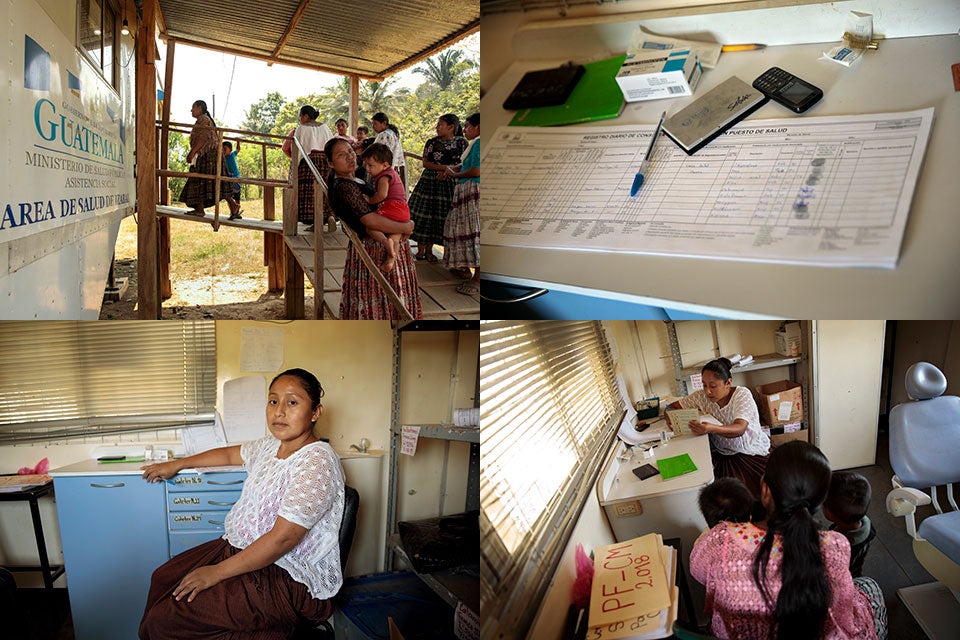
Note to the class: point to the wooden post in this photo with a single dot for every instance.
(318, 225)
(293, 272)
(354, 103)
(166, 286)
(272, 243)
(216, 186)
(148, 272)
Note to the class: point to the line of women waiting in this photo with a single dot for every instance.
(444, 207)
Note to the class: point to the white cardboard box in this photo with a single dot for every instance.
(650, 75)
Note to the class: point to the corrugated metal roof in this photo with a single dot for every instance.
(372, 39)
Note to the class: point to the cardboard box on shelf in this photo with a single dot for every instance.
(783, 438)
(788, 340)
(780, 402)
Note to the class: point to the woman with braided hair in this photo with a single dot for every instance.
(784, 578)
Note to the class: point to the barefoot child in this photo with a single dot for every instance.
(390, 196)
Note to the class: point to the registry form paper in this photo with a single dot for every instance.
(827, 191)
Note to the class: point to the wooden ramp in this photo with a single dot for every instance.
(438, 286)
(179, 213)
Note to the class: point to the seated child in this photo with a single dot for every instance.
(230, 159)
(390, 196)
(726, 499)
(846, 506)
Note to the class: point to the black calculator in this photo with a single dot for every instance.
(787, 89)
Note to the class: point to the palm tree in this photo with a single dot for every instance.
(335, 100)
(445, 68)
(377, 96)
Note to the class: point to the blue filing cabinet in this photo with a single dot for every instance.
(113, 535)
(197, 505)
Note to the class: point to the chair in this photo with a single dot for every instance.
(348, 526)
(680, 632)
(924, 454)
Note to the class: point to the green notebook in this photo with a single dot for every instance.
(597, 96)
(676, 466)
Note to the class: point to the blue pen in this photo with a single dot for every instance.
(638, 179)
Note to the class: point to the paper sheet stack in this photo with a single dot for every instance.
(634, 594)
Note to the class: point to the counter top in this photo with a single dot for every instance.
(888, 80)
(621, 484)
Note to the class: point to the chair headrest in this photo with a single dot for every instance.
(925, 381)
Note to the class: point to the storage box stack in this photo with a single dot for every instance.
(781, 411)
(634, 594)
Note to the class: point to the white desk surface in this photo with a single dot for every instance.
(904, 74)
(626, 486)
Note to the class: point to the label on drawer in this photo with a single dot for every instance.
(186, 500)
(187, 480)
(187, 518)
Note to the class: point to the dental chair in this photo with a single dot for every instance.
(925, 454)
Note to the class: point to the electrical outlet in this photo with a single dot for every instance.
(625, 509)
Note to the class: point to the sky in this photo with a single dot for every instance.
(201, 74)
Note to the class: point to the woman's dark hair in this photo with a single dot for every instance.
(339, 120)
(363, 128)
(309, 111)
(474, 119)
(719, 367)
(452, 119)
(798, 477)
(202, 105)
(380, 116)
(308, 381)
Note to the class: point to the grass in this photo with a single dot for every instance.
(195, 249)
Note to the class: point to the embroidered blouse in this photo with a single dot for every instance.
(203, 137)
(753, 441)
(722, 559)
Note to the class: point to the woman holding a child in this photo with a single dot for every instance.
(782, 577)
(362, 298)
(738, 446)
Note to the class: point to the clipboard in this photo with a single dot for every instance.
(597, 96)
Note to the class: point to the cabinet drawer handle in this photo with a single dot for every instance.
(231, 482)
(221, 504)
(107, 486)
(214, 522)
(530, 295)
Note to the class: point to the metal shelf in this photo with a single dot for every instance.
(767, 361)
(461, 584)
(443, 432)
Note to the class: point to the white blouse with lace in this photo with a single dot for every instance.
(389, 138)
(753, 442)
(305, 489)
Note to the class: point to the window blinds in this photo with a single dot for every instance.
(549, 408)
(66, 379)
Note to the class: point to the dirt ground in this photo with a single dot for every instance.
(221, 297)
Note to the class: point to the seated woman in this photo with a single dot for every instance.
(785, 578)
(739, 448)
(361, 296)
(279, 560)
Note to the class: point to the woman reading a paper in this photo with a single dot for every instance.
(738, 447)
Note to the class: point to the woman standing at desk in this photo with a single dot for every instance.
(738, 447)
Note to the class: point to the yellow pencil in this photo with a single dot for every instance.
(742, 47)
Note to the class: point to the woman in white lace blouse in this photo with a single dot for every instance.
(279, 560)
(738, 446)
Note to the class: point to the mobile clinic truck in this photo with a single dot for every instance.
(68, 163)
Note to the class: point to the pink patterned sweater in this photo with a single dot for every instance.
(722, 559)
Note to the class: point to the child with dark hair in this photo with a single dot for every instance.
(230, 160)
(389, 195)
(726, 500)
(846, 507)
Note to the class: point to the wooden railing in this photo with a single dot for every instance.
(290, 212)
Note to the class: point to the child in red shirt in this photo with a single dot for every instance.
(390, 196)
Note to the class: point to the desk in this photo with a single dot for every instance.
(31, 495)
(906, 73)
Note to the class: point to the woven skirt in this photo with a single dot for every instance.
(201, 192)
(305, 183)
(361, 295)
(430, 204)
(461, 232)
(742, 466)
(265, 604)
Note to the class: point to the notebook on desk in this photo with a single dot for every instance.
(597, 96)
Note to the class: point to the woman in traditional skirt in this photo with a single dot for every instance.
(279, 560)
(312, 136)
(738, 447)
(432, 198)
(461, 232)
(362, 298)
(198, 193)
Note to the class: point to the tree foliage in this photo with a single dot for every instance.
(262, 114)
